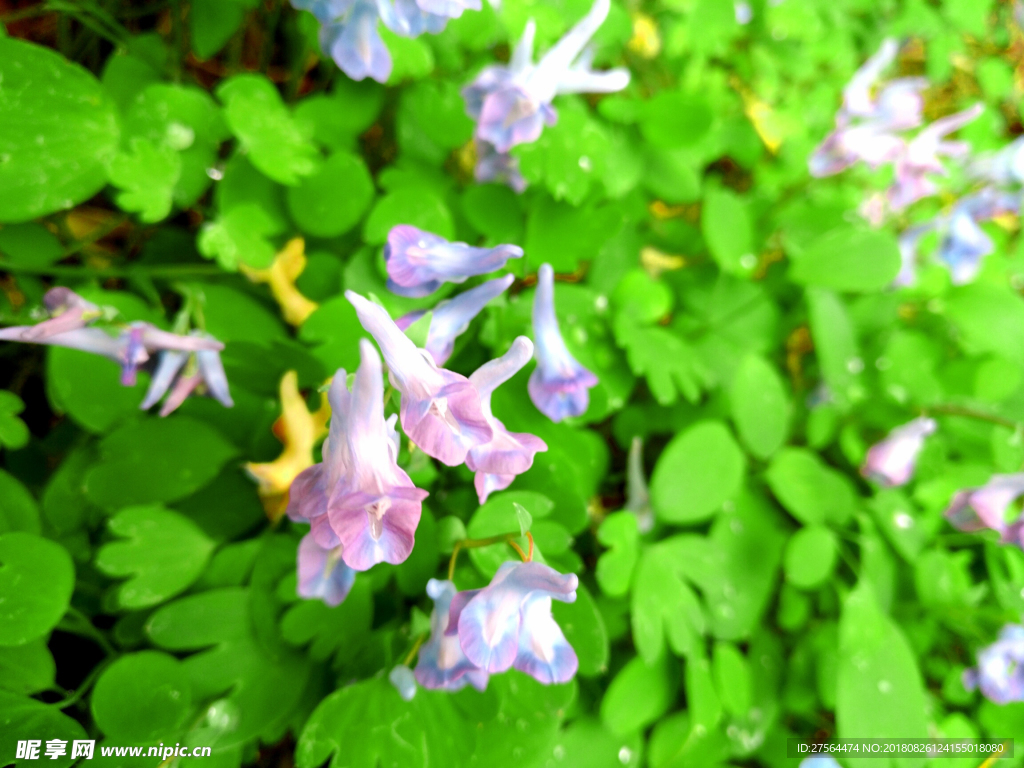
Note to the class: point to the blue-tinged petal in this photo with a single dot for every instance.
(408, 19)
(404, 681)
(216, 381)
(451, 318)
(450, 8)
(543, 80)
(1000, 670)
(322, 573)
(559, 386)
(419, 262)
(167, 367)
(442, 664)
(356, 45)
(963, 247)
(497, 167)
(324, 10)
(544, 653)
(484, 84)
(513, 115)
(980, 508)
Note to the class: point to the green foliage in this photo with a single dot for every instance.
(742, 580)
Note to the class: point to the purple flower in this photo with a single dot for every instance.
(419, 262)
(908, 254)
(891, 462)
(922, 157)
(358, 496)
(440, 411)
(965, 243)
(493, 166)
(355, 43)
(512, 106)
(865, 124)
(979, 508)
(1004, 167)
(68, 312)
(508, 454)
(207, 371)
(1000, 670)
(451, 318)
(411, 18)
(442, 664)
(322, 573)
(559, 384)
(509, 623)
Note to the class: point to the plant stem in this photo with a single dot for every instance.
(415, 649)
(82, 625)
(969, 413)
(502, 538)
(83, 688)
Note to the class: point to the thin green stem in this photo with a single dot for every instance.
(502, 538)
(73, 698)
(77, 623)
(415, 649)
(969, 413)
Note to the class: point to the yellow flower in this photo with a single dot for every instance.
(281, 276)
(646, 42)
(300, 431)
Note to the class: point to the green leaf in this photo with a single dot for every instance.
(760, 407)
(142, 697)
(586, 744)
(989, 318)
(164, 553)
(704, 703)
(675, 119)
(523, 518)
(156, 461)
(18, 508)
(239, 236)
(697, 472)
(13, 431)
(333, 200)
(811, 556)
(23, 718)
(330, 630)
(336, 119)
(411, 57)
(27, 668)
(848, 259)
(663, 603)
(273, 140)
(641, 299)
(670, 365)
(835, 344)
(36, 581)
(562, 235)
(584, 628)
(639, 695)
(619, 533)
(147, 175)
(29, 245)
(214, 22)
(729, 232)
(418, 206)
(809, 489)
(733, 679)
(368, 724)
(60, 131)
(88, 388)
(879, 693)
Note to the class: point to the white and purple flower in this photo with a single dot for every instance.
(1000, 670)
(442, 664)
(559, 386)
(323, 574)
(891, 462)
(979, 508)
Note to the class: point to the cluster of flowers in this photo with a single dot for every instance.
(870, 128)
(349, 33)
(183, 364)
(363, 509)
(512, 104)
(999, 674)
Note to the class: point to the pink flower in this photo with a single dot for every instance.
(891, 462)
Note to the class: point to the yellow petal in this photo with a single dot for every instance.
(646, 41)
(656, 262)
(300, 431)
(281, 276)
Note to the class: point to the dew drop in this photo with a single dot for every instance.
(625, 755)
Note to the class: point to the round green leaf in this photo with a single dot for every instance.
(729, 233)
(36, 581)
(18, 508)
(141, 697)
(848, 259)
(810, 556)
(760, 408)
(809, 489)
(334, 199)
(60, 130)
(675, 119)
(639, 695)
(88, 388)
(156, 460)
(23, 718)
(698, 471)
(27, 668)
(164, 553)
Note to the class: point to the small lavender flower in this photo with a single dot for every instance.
(68, 312)
(442, 665)
(402, 678)
(979, 508)
(891, 462)
(323, 574)
(440, 410)
(964, 243)
(419, 262)
(508, 454)
(922, 158)
(451, 318)
(513, 104)
(207, 372)
(497, 167)
(1000, 670)
(509, 623)
(559, 385)
(1004, 168)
